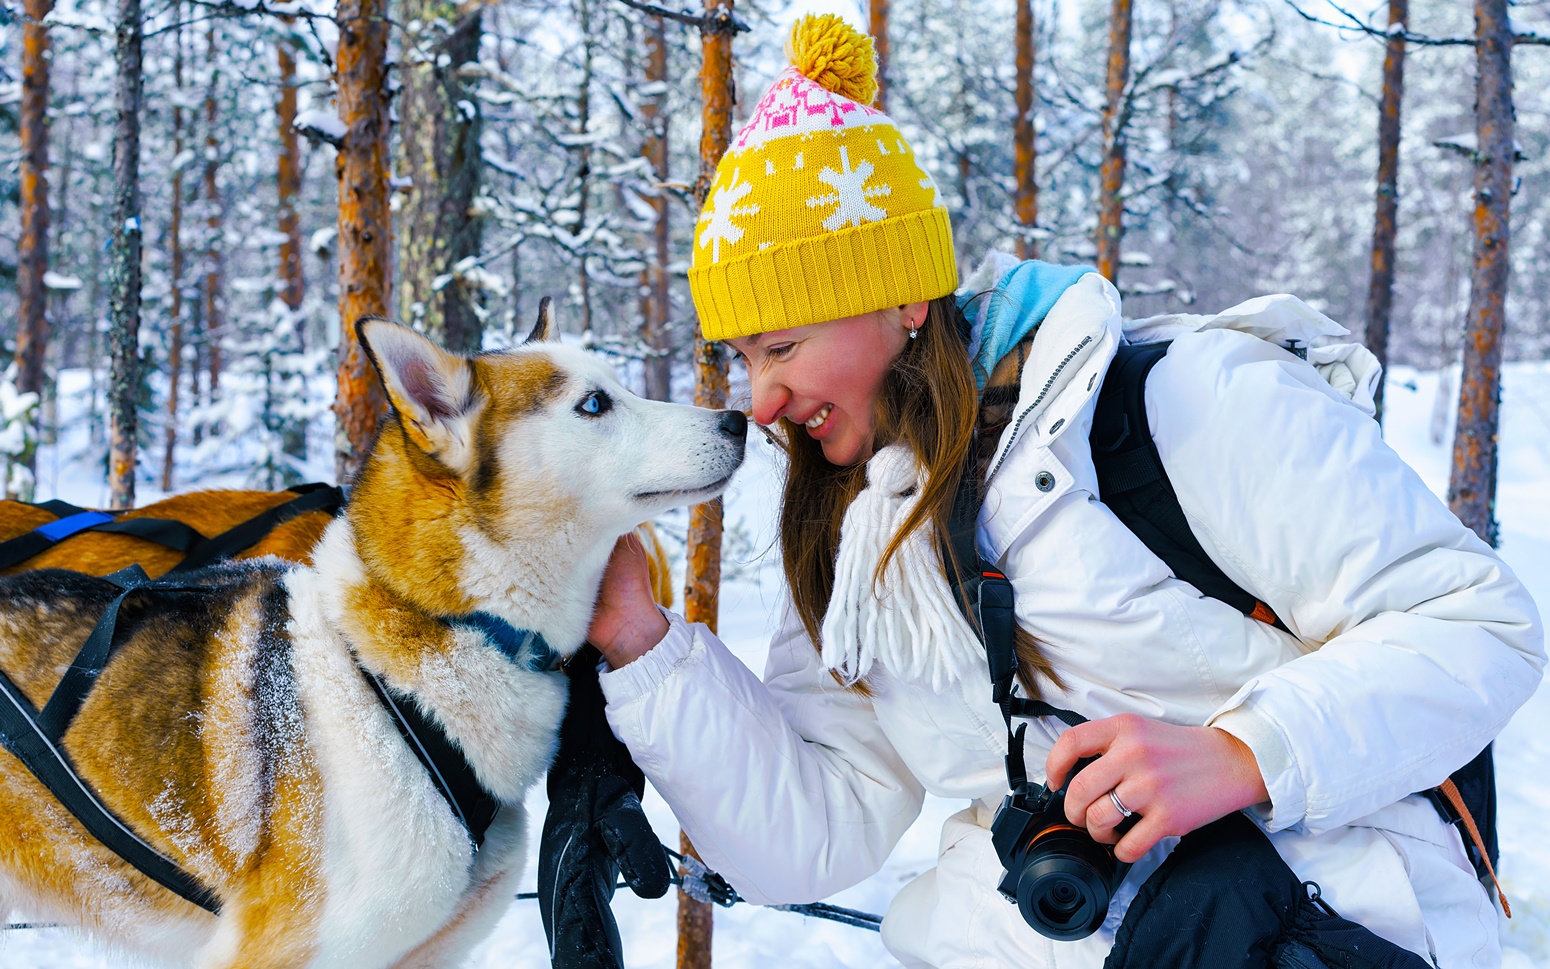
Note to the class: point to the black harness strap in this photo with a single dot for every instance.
(451, 773)
(198, 550)
(310, 497)
(34, 739)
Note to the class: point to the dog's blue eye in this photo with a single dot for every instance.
(595, 404)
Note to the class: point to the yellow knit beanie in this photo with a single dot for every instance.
(818, 209)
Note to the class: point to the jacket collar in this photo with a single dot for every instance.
(1074, 342)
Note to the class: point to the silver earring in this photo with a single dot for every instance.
(914, 333)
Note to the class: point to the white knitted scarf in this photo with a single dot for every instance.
(909, 623)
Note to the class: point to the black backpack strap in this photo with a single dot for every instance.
(1134, 485)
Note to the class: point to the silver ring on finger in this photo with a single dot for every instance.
(1119, 805)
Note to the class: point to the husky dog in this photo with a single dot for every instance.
(235, 731)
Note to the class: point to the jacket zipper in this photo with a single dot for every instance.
(1018, 423)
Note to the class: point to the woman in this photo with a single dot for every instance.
(825, 261)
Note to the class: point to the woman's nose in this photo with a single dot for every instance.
(770, 398)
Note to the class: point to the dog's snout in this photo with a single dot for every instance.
(734, 423)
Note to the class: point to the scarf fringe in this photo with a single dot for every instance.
(910, 623)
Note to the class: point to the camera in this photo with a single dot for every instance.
(1060, 878)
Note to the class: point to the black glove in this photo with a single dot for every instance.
(594, 832)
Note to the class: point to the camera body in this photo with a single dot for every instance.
(1061, 879)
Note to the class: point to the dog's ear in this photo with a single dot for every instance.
(431, 390)
(544, 330)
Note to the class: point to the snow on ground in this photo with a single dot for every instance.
(747, 937)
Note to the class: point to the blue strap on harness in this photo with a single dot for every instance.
(62, 528)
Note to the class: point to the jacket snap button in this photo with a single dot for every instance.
(1044, 481)
(1057, 425)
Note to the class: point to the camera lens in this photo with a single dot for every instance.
(1064, 888)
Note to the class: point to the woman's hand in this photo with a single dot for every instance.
(626, 622)
(1175, 778)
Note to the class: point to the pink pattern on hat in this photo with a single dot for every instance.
(796, 105)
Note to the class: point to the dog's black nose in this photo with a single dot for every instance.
(734, 423)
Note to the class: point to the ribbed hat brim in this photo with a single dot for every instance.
(904, 259)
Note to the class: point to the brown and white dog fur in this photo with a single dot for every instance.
(234, 731)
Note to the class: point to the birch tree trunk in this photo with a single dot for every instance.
(1026, 152)
(1472, 485)
(1380, 292)
(175, 243)
(878, 28)
(365, 224)
(656, 305)
(703, 572)
(32, 247)
(439, 150)
(124, 270)
(1111, 173)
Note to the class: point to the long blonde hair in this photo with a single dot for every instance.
(928, 401)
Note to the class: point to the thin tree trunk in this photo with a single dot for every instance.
(439, 141)
(124, 271)
(656, 307)
(1472, 485)
(365, 224)
(1380, 292)
(878, 28)
(175, 243)
(293, 283)
(584, 170)
(1111, 173)
(32, 247)
(213, 320)
(703, 571)
(1025, 161)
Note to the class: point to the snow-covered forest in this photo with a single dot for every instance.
(1251, 134)
(296, 164)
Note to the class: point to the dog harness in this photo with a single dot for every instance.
(35, 736)
(198, 551)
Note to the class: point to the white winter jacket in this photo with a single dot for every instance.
(1411, 646)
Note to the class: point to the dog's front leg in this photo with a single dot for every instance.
(496, 872)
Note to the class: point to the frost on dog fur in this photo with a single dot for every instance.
(234, 729)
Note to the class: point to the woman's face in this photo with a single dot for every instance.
(826, 377)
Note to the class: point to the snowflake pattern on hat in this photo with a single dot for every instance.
(852, 193)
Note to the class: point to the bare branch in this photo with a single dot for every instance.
(718, 21)
(1353, 22)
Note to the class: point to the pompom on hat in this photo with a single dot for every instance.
(818, 209)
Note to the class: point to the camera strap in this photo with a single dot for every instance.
(984, 594)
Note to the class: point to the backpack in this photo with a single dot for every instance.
(1134, 485)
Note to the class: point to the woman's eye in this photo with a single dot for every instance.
(594, 404)
(780, 350)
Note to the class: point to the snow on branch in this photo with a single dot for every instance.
(316, 125)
